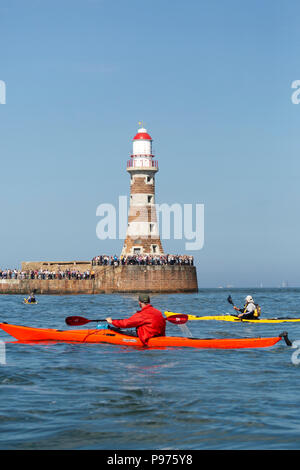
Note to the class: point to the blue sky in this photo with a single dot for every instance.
(212, 83)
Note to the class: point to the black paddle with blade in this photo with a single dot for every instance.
(78, 321)
(178, 319)
(229, 300)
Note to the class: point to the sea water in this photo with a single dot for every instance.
(97, 396)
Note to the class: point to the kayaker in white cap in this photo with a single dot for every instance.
(250, 309)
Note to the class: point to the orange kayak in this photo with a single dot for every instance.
(111, 336)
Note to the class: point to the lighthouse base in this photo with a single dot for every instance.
(112, 279)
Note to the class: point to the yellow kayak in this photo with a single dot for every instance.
(233, 318)
(30, 303)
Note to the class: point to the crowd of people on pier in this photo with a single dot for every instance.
(101, 260)
(105, 260)
(46, 274)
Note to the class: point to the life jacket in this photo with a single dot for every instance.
(256, 312)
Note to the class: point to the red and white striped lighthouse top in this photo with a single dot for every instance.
(142, 134)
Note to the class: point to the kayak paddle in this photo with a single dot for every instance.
(178, 319)
(78, 321)
(229, 300)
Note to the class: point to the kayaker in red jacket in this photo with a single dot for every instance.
(148, 321)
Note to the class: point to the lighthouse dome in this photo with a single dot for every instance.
(142, 134)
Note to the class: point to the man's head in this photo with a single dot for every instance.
(144, 299)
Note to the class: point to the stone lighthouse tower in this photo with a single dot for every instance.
(142, 235)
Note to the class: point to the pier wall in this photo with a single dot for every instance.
(112, 279)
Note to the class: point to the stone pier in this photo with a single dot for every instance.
(112, 279)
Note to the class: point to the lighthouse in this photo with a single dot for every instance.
(142, 235)
(142, 238)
